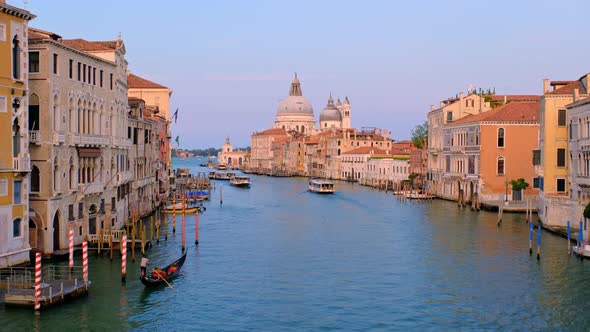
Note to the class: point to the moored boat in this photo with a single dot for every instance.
(170, 272)
(240, 181)
(321, 186)
(583, 250)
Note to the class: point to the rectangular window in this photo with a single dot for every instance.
(448, 164)
(16, 194)
(129, 132)
(79, 71)
(560, 185)
(536, 157)
(113, 206)
(3, 107)
(449, 116)
(2, 32)
(536, 182)
(55, 63)
(16, 226)
(135, 130)
(101, 205)
(89, 74)
(471, 165)
(100, 78)
(561, 115)
(111, 80)
(71, 212)
(560, 157)
(93, 76)
(80, 210)
(71, 69)
(84, 73)
(33, 62)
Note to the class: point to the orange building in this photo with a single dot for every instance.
(484, 152)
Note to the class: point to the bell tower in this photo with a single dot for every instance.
(346, 114)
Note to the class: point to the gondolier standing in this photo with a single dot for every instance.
(144, 263)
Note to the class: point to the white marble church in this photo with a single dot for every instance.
(295, 113)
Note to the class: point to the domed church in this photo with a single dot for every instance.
(295, 113)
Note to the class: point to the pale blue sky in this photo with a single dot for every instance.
(231, 62)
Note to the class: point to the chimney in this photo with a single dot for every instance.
(576, 94)
(431, 107)
(505, 99)
(460, 95)
(545, 85)
(441, 104)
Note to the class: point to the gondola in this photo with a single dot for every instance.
(148, 281)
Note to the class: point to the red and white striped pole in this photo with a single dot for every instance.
(197, 227)
(71, 240)
(85, 261)
(38, 281)
(124, 258)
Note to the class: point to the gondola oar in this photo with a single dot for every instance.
(164, 279)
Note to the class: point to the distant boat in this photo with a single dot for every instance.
(321, 186)
(240, 181)
(584, 252)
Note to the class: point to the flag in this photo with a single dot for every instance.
(175, 115)
(177, 142)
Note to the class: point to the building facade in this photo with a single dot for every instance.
(15, 163)
(230, 157)
(483, 153)
(551, 161)
(79, 146)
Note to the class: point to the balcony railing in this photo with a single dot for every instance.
(21, 164)
(59, 138)
(35, 137)
(90, 188)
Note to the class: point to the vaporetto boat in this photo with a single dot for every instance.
(321, 186)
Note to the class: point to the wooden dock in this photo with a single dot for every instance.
(52, 292)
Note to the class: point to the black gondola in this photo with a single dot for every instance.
(149, 281)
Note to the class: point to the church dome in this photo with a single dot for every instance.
(330, 112)
(295, 103)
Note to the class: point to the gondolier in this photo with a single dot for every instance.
(144, 263)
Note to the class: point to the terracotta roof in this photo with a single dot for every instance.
(272, 131)
(566, 88)
(136, 82)
(312, 139)
(42, 34)
(366, 150)
(90, 46)
(510, 98)
(512, 112)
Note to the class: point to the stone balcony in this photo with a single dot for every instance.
(90, 188)
(584, 143)
(59, 138)
(21, 164)
(35, 137)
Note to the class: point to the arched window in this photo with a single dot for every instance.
(303, 129)
(55, 175)
(501, 166)
(15, 138)
(33, 112)
(500, 137)
(56, 114)
(15, 58)
(35, 180)
(16, 227)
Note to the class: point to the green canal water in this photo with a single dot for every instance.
(279, 258)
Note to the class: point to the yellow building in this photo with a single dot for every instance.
(551, 158)
(15, 163)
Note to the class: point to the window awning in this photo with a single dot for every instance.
(88, 152)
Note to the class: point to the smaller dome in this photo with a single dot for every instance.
(330, 112)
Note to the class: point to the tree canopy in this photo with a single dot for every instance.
(419, 134)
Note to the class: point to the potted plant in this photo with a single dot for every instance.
(517, 187)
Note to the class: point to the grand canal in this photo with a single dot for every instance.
(276, 257)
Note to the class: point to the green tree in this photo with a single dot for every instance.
(587, 211)
(518, 185)
(419, 134)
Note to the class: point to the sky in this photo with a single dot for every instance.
(230, 63)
